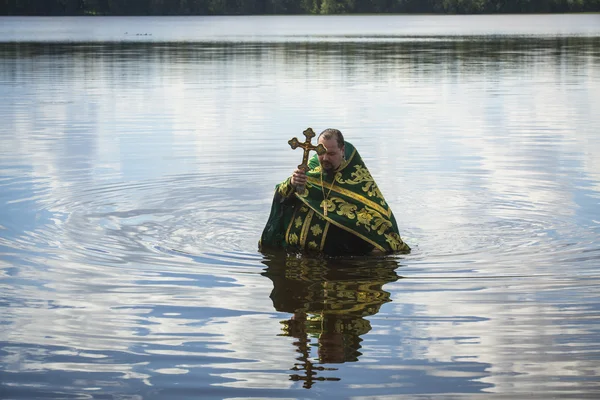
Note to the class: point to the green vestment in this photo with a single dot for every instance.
(357, 221)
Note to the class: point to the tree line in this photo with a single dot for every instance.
(258, 7)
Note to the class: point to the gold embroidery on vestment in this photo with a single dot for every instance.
(395, 241)
(316, 230)
(363, 217)
(306, 227)
(343, 207)
(285, 188)
(289, 228)
(366, 206)
(362, 175)
(371, 219)
(363, 237)
(354, 196)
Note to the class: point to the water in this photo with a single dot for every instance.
(136, 174)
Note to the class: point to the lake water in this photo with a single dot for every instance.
(138, 158)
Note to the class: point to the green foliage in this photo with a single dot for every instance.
(247, 7)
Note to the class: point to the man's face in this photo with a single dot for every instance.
(332, 159)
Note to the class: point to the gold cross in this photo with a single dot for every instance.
(307, 146)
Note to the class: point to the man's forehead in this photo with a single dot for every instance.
(330, 144)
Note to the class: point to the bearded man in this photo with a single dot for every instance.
(334, 208)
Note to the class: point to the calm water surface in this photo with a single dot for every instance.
(138, 158)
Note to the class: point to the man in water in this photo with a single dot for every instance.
(334, 208)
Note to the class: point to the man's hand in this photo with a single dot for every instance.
(299, 178)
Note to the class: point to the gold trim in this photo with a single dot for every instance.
(287, 233)
(324, 235)
(352, 195)
(285, 188)
(305, 228)
(375, 244)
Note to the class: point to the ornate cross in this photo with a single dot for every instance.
(307, 146)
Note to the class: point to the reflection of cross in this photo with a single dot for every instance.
(297, 328)
(307, 146)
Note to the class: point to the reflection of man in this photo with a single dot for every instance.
(328, 300)
(340, 212)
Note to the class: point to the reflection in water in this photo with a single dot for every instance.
(329, 299)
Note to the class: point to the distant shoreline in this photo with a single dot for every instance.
(141, 8)
(304, 15)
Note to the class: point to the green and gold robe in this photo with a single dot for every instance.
(343, 214)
